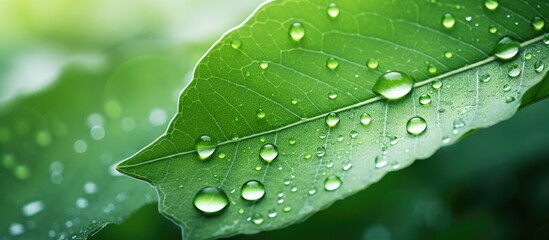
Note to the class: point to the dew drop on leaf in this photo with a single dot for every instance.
(538, 23)
(210, 200)
(264, 65)
(332, 95)
(333, 10)
(509, 99)
(260, 114)
(380, 162)
(393, 85)
(506, 48)
(297, 31)
(287, 209)
(436, 84)
(491, 4)
(252, 190)
(272, 213)
(373, 63)
(205, 146)
(424, 99)
(514, 71)
(320, 151)
(236, 44)
(332, 119)
(294, 101)
(268, 152)
(448, 21)
(332, 183)
(332, 63)
(292, 141)
(539, 66)
(492, 29)
(485, 77)
(365, 119)
(432, 69)
(416, 125)
(448, 55)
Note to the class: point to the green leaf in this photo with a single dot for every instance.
(260, 85)
(58, 148)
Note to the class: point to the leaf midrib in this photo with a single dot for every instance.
(356, 105)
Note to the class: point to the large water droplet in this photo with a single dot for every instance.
(268, 152)
(333, 10)
(506, 48)
(538, 23)
(365, 119)
(332, 63)
(252, 190)
(332, 119)
(416, 126)
(210, 200)
(393, 85)
(332, 183)
(539, 66)
(424, 99)
(205, 146)
(297, 31)
(491, 4)
(373, 63)
(448, 21)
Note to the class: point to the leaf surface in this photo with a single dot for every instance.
(296, 84)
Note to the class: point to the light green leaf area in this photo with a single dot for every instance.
(58, 148)
(261, 84)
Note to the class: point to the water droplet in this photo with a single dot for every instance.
(332, 63)
(221, 155)
(333, 10)
(492, 29)
(538, 23)
(292, 141)
(320, 151)
(332, 183)
(448, 21)
(546, 39)
(380, 162)
(332, 119)
(491, 4)
(509, 99)
(205, 146)
(436, 84)
(260, 114)
(32, 208)
(236, 44)
(485, 77)
(257, 219)
(252, 190)
(365, 119)
(308, 156)
(514, 71)
(297, 31)
(294, 101)
(506, 48)
(268, 152)
(347, 164)
(425, 99)
(373, 63)
(264, 65)
(354, 134)
(432, 69)
(393, 85)
(506, 88)
(312, 191)
(272, 213)
(539, 66)
(210, 200)
(332, 95)
(241, 211)
(458, 123)
(448, 55)
(287, 209)
(416, 126)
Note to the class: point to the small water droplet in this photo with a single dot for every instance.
(320, 151)
(312, 191)
(373, 63)
(308, 156)
(292, 141)
(546, 39)
(448, 21)
(436, 84)
(492, 29)
(514, 71)
(332, 183)
(257, 219)
(365, 119)
(506, 48)
(432, 69)
(332, 119)
(210, 200)
(393, 85)
(297, 31)
(509, 99)
(241, 211)
(268, 152)
(416, 125)
(205, 146)
(506, 88)
(333, 10)
(380, 162)
(354, 134)
(264, 65)
(287, 209)
(236, 44)
(332, 63)
(538, 23)
(332, 95)
(446, 139)
(294, 101)
(448, 55)
(539, 66)
(260, 114)
(425, 99)
(491, 4)
(252, 190)
(458, 123)
(485, 77)
(221, 155)
(347, 164)
(272, 213)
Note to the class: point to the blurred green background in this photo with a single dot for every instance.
(84, 84)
